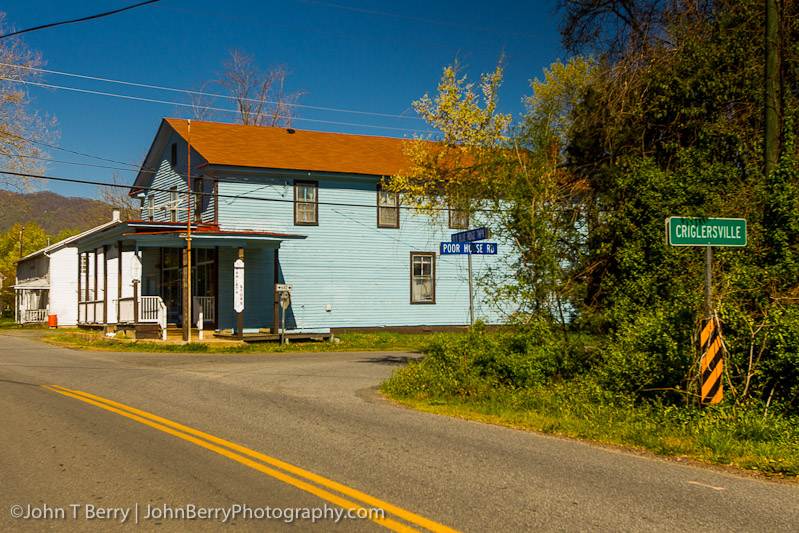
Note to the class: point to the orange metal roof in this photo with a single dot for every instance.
(282, 148)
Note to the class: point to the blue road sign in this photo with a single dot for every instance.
(484, 248)
(477, 234)
(451, 248)
(479, 248)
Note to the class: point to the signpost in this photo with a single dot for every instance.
(682, 231)
(484, 248)
(238, 291)
(135, 277)
(463, 243)
(463, 248)
(477, 234)
(284, 293)
(708, 232)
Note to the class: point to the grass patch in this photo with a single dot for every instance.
(534, 380)
(731, 435)
(8, 323)
(349, 342)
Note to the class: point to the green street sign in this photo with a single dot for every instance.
(685, 231)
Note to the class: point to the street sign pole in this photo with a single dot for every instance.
(468, 237)
(708, 233)
(708, 281)
(471, 294)
(284, 292)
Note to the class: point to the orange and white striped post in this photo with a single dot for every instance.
(711, 364)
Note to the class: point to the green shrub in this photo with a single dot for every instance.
(477, 362)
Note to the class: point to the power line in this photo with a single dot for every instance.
(210, 108)
(429, 21)
(54, 147)
(82, 19)
(62, 162)
(204, 94)
(215, 195)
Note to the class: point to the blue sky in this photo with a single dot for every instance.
(372, 58)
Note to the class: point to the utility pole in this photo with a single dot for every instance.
(187, 316)
(771, 123)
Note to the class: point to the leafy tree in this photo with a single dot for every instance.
(667, 121)
(673, 129)
(508, 178)
(15, 243)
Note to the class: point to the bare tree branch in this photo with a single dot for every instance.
(118, 198)
(20, 129)
(260, 96)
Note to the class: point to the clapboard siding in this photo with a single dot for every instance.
(258, 288)
(112, 267)
(361, 271)
(64, 286)
(166, 176)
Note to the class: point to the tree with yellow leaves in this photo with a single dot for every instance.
(507, 177)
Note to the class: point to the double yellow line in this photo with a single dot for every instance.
(297, 477)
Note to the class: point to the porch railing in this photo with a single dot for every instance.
(206, 305)
(34, 315)
(125, 311)
(151, 309)
(90, 312)
(148, 308)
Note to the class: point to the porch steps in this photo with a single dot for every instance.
(142, 330)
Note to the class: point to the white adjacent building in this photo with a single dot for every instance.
(47, 282)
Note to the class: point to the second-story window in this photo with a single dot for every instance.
(173, 204)
(306, 202)
(198, 199)
(458, 218)
(173, 156)
(387, 208)
(151, 207)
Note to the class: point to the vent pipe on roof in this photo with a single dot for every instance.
(115, 215)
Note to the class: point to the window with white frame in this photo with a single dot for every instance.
(458, 218)
(387, 208)
(306, 202)
(151, 207)
(423, 280)
(173, 204)
(198, 199)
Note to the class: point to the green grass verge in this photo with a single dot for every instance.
(8, 323)
(349, 342)
(730, 435)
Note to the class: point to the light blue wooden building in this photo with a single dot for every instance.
(302, 208)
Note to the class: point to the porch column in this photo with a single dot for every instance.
(135, 284)
(95, 283)
(119, 276)
(80, 294)
(105, 285)
(240, 324)
(186, 294)
(276, 314)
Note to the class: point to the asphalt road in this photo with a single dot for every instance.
(284, 420)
